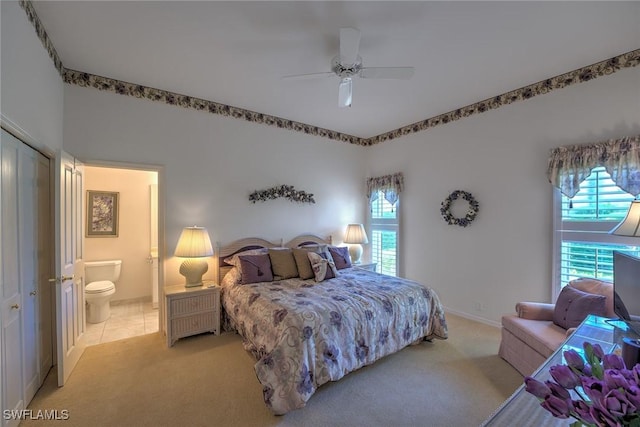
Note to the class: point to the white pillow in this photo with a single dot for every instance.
(322, 268)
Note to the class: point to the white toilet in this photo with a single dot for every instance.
(100, 277)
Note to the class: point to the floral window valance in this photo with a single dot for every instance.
(572, 164)
(390, 185)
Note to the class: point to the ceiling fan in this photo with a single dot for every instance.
(348, 64)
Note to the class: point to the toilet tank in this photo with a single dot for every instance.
(102, 270)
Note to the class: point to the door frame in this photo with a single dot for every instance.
(161, 218)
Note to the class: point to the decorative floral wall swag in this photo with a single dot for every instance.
(445, 209)
(286, 191)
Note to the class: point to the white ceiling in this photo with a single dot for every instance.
(236, 52)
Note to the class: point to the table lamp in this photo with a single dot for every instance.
(194, 244)
(355, 238)
(630, 225)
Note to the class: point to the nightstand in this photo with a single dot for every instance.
(369, 266)
(191, 311)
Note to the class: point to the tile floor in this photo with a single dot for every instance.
(128, 319)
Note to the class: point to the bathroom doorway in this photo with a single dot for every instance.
(133, 240)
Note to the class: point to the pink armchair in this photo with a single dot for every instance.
(529, 337)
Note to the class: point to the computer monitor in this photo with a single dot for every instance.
(626, 286)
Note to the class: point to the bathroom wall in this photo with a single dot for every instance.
(133, 242)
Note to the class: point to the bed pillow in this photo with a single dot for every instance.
(235, 261)
(283, 264)
(323, 268)
(233, 277)
(573, 306)
(340, 256)
(255, 268)
(302, 263)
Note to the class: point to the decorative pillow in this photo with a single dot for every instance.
(235, 261)
(573, 306)
(255, 268)
(233, 277)
(340, 256)
(302, 263)
(323, 268)
(283, 264)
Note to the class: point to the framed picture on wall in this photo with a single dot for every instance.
(102, 213)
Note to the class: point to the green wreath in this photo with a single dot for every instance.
(445, 209)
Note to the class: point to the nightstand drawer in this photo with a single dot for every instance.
(188, 305)
(191, 311)
(194, 324)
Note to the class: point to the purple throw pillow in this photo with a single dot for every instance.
(573, 306)
(340, 257)
(255, 268)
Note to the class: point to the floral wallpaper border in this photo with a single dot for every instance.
(79, 78)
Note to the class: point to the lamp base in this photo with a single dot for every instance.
(193, 269)
(355, 252)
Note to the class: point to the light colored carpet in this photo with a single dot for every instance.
(209, 380)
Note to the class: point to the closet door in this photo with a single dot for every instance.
(10, 297)
(27, 236)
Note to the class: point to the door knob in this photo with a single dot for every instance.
(15, 306)
(33, 293)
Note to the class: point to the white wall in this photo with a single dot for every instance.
(132, 245)
(212, 163)
(31, 90)
(500, 156)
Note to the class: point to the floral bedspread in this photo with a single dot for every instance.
(305, 334)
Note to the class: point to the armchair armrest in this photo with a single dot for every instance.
(535, 310)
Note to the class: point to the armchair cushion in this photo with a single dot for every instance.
(535, 310)
(573, 306)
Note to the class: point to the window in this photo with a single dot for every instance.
(584, 244)
(383, 234)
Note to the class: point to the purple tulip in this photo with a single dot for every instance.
(617, 404)
(636, 373)
(559, 408)
(602, 417)
(633, 396)
(595, 389)
(558, 391)
(574, 360)
(583, 411)
(537, 388)
(614, 379)
(565, 376)
(613, 361)
(598, 352)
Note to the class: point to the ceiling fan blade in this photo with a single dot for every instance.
(345, 92)
(349, 45)
(308, 76)
(403, 73)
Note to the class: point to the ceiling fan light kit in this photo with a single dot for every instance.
(348, 64)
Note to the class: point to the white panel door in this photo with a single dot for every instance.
(11, 338)
(70, 320)
(27, 211)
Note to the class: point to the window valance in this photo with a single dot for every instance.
(390, 185)
(570, 165)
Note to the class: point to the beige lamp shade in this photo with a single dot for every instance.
(355, 238)
(630, 225)
(356, 234)
(194, 243)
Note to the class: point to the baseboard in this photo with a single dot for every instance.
(472, 317)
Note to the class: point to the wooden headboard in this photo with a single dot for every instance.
(248, 243)
(307, 239)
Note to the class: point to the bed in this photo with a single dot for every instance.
(305, 333)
